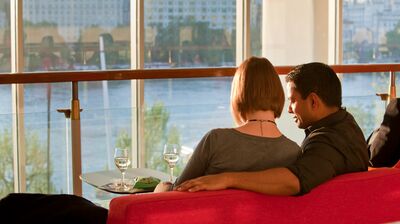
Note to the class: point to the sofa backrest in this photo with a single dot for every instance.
(364, 197)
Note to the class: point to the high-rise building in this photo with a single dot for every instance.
(220, 14)
(369, 20)
(71, 16)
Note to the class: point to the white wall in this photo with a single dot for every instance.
(294, 32)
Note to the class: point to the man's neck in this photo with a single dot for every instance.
(326, 111)
(323, 114)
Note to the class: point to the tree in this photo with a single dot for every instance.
(210, 45)
(365, 119)
(6, 164)
(36, 165)
(393, 41)
(156, 134)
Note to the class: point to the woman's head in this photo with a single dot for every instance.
(256, 87)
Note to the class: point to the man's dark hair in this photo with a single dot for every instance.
(318, 78)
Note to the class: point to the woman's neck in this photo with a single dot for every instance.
(260, 123)
(260, 116)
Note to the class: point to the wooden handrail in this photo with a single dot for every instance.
(112, 75)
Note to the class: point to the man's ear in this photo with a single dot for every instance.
(315, 100)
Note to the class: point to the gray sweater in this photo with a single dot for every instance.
(227, 150)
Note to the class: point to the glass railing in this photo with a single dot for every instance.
(173, 107)
(6, 142)
(359, 97)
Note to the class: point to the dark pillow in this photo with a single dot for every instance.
(384, 142)
(24, 208)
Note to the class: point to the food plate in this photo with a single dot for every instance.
(141, 184)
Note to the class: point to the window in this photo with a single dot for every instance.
(184, 41)
(6, 147)
(52, 46)
(367, 39)
(255, 26)
(200, 34)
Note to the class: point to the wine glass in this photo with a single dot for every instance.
(122, 161)
(171, 156)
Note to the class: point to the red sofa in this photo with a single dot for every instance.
(364, 197)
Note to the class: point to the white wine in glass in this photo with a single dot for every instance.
(171, 156)
(122, 161)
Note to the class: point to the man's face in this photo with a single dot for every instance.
(300, 108)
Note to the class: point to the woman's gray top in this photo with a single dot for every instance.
(227, 150)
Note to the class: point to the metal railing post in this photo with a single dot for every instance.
(76, 141)
(391, 94)
(392, 85)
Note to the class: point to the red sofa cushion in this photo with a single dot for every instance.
(364, 197)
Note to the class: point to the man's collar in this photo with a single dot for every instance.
(327, 121)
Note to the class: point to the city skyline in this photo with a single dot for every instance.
(364, 21)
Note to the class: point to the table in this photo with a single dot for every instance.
(101, 178)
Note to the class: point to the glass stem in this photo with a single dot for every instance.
(123, 179)
(171, 173)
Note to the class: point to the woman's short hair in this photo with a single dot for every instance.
(256, 86)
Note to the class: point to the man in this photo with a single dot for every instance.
(334, 143)
(384, 142)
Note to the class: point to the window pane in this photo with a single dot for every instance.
(182, 111)
(370, 31)
(370, 35)
(76, 35)
(198, 34)
(5, 37)
(6, 146)
(45, 138)
(256, 27)
(193, 34)
(72, 35)
(360, 99)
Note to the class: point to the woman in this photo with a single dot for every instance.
(257, 99)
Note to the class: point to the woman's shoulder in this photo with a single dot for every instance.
(221, 130)
(220, 133)
(223, 134)
(286, 139)
(288, 143)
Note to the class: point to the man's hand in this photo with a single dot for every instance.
(209, 183)
(163, 187)
(275, 181)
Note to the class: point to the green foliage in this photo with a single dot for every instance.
(359, 52)
(6, 164)
(123, 140)
(156, 134)
(365, 119)
(28, 23)
(369, 114)
(113, 56)
(207, 45)
(393, 41)
(36, 165)
(155, 121)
